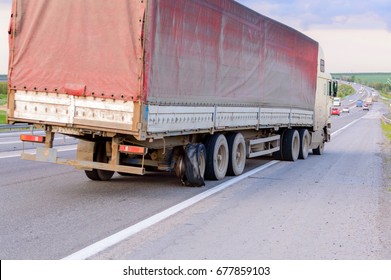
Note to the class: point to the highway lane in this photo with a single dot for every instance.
(332, 207)
(10, 141)
(50, 211)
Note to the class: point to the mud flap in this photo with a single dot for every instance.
(194, 160)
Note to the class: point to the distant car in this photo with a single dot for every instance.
(335, 111)
(359, 103)
(365, 107)
(345, 110)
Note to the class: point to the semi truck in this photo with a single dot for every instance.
(192, 87)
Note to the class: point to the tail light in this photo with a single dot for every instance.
(32, 138)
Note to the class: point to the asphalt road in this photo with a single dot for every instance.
(334, 206)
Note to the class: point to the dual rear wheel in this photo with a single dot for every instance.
(295, 144)
(224, 155)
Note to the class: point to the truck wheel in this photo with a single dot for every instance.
(100, 156)
(217, 157)
(305, 139)
(125, 174)
(291, 145)
(278, 155)
(237, 154)
(319, 151)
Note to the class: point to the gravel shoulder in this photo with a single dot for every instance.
(385, 198)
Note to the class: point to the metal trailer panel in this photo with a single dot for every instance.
(218, 52)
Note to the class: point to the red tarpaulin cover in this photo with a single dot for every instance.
(78, 47)
(220, 52)
(214, 52)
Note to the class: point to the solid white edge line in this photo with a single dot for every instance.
(132, 230)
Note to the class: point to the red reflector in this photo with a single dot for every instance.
(132, 150)
(32, 138)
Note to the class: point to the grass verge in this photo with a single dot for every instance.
(2, 117)
(386, 129)
(3, 93)
(3, 100)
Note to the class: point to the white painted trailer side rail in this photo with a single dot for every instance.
(68, 110)
(46, 107)
(166, 119)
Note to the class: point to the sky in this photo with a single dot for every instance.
(354, 34)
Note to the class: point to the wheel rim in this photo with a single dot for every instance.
(217, 157)
(295, 145)
(221, 158)
(305, 143)
(238, 149)
(305, 147)
(202, 164)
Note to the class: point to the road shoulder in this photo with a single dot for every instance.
(385, 199)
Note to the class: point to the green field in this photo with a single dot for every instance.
(386, 129)
(3, 93)
(3, 100)
(2, 117)
(379, 81)
(364, 78)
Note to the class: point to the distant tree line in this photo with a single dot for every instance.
(345, 90)
(383, 87)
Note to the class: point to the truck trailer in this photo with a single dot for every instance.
(194, 87)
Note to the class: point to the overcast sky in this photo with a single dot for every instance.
(355, 34)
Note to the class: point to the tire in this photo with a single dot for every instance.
(278, 155)
(319, 151)
(290, 145)
(217, 157)
(237, 154)
(100, 156)
(201, 154)
(125, 174)
(305, 140)
(194, 165)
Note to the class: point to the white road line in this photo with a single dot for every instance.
(132, 230)
(14, 154)
(20, 142)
